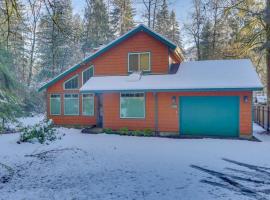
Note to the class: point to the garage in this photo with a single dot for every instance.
(209, 116)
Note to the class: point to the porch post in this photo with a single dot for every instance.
(156, 113)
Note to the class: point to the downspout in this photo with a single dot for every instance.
(156, 113)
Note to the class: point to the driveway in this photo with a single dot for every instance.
(82, 166)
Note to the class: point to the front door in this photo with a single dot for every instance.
(100, 110)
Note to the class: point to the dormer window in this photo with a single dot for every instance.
(87, 74)
(72, 83)
(139, 62)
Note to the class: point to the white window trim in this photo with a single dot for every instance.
(93, 104)
(92, 66)
(69, 80)
(132, 53)
(77, 114)
(121, 107)
(51, 104)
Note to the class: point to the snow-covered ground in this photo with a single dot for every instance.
(82, 166)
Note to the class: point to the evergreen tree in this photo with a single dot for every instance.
(205, 43)
(96, 25)
(12, 36)
(122, 16)
(174, 31)
(9, 101)
(163, 20)
(55, 45)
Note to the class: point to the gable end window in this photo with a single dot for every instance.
(139, 62)
(72, 83)
(132, 105)
(87, 74)
(55, 104)
(71, 104)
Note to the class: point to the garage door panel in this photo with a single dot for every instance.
(209, 115)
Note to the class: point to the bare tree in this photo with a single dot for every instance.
(194, 28)
(151, 8)
(35, 13)
(267, 30)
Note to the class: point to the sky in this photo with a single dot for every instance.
(181, 7)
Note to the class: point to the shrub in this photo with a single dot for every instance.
(123, 131)
(147, 132)
(138, 133)
(41, 132)
(108, 130)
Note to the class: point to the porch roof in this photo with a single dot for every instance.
(208, 75)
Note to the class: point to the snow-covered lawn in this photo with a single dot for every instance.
(82, 166)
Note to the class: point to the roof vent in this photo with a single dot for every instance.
(135, 76)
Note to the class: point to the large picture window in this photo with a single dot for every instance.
(88, 104)
(139, 61)
(71, 104)
(87, 74)
(72, 83)
(55, 104)
(132, 105)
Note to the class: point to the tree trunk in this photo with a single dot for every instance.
(268, 50)
(215, 28)
(149, 14)
(30, 73)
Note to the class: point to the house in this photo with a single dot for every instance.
(141, 80)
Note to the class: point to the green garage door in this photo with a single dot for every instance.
(209, 116)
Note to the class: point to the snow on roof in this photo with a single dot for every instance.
(193, 75)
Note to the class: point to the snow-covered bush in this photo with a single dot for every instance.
(123, 131)
(108, 130)
(44, 131)
(148, 132)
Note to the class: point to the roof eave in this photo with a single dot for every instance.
(175, 90)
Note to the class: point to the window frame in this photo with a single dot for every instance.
(77, 75)
(139, 59)
(77, 114)
(93, 96)
(51, 105)
(144, 107)
(91, 66)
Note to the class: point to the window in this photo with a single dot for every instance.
(87, 74)
(71, 104)
(72, 83)
(55, 104)
(88, 104)
(139, 61)
(132, 105)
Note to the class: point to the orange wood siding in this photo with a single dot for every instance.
(115, 61)
(111, 118)
(168, 117)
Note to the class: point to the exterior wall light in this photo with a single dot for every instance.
(245, 99)
(174, 103)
